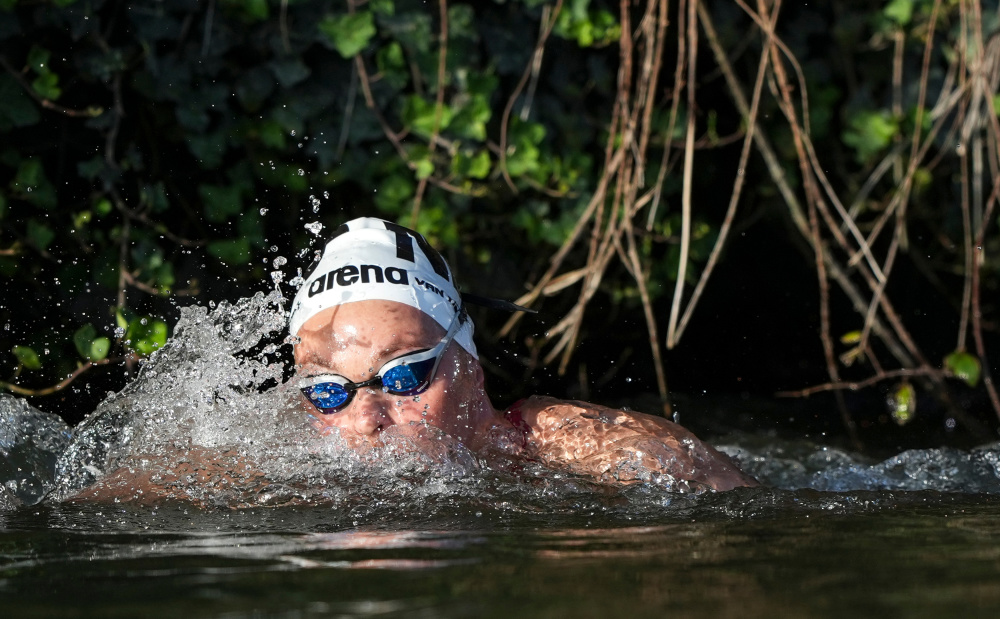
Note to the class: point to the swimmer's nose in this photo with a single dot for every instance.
(371, 410)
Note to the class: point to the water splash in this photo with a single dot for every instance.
(793, 465)
(30, 441)
(209, 421)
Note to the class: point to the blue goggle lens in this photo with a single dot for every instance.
(407, 379)
(327, 395)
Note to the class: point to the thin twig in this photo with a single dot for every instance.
(692, 36)
(868, 382)
(438, 105)
(505, 117)
(61, 384)
(90, 112)
(734, 197)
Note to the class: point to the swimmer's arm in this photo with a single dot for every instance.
(191, 476)
(594, 439)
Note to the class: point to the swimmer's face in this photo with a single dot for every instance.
(356, 339)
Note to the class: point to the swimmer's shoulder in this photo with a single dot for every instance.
(546, 415)
(582, 434)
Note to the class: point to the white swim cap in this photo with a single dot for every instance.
(371, 258)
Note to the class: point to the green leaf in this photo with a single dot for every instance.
(47, 86)
(122, 317)
(393, 192)
(271, 134)
(233, 252)
(27, 357)
(289, 71)
(471, 119)
(99, 348)
(424, 167)
(903, 403)
(899, 11)
(349, 34)
(391, 65)
(32, 184)
(964, 366)
(82, 339)
(221, 202)
(40, 235)
(851, 337)
(90, 347)
(16, 108)
(869, 132)
(154, 197)
(383, 7)
(29, 175)
(476, 166)
(103, 207)
(38, 59)
(81, 219)
(250, 10)
(146, 334)
(420, 114)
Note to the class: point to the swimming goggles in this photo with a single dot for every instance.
(406, 375)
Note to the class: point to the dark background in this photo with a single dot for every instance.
(221, 125)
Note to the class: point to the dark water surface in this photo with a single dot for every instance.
(746, 553)
(407, 532)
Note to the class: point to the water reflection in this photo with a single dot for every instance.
(920, 554)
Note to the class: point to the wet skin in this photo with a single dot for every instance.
(354, 340)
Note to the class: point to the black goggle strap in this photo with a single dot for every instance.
(497, 304)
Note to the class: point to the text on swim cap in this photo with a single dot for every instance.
(350, 274)
(429, 286)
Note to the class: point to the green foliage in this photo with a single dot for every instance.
(869, 133)
(348, 34)
(46, 82)
(903, 403)
(161, 149)
(899, 11)
(16, 108)
(145, 334)
(27, 357)
(964, 366)
(89, 345)
(233, 252)
(586, 25)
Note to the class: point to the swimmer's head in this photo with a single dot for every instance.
(370, 258)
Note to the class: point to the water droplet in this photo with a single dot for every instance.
(314, 227)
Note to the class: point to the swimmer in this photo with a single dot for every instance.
(384, 348)
(384, 340)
